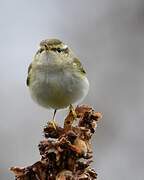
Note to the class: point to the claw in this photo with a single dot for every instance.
(71, 108)
(53, 123)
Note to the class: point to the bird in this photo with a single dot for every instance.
(56, 78)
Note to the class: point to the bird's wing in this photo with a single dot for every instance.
(29, 72)
(78, 64)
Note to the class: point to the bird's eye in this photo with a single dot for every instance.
(59, 50)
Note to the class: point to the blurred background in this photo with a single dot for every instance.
(108, 36)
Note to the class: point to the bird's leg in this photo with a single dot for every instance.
(71, 108)
(53, 122)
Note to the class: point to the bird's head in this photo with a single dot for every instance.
(54, 45)
(55, 52)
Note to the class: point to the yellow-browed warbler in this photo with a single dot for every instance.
(56, 78)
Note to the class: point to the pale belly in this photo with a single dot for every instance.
(58, 90)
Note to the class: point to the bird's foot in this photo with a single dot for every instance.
(72, 110)
(53, 123)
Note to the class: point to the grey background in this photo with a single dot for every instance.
(108, 36)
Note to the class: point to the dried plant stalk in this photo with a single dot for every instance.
(65, 152)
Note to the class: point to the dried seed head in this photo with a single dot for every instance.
(81, 145)
(64, 175)
(71, 136)
(66, 153)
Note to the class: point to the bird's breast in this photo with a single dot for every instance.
(57, 87)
